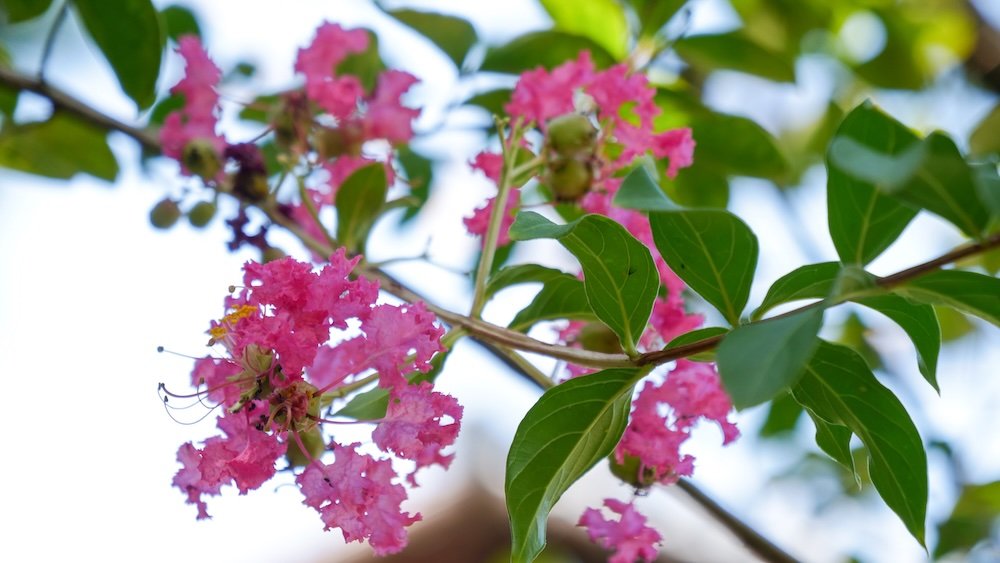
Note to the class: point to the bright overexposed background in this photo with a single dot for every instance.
(88, 291)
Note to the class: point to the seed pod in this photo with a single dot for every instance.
(164, 214)
(599, 338)
(571, 136)
(201, 159)
(569, 179)
(201, 214)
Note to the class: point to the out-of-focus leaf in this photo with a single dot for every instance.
(759, 360)
(453, 35)
(571, 427)
(603, 21)
(158, 114)
(736, 145)
(986, 137)
(128, 33)
(518, 274)
(697, 336)
(971, 520)
(8, 96)
(987, 182)
(260, 109)
(493, 101)
(22, 10)
(782, 416)
(639, 191)
(359, 200)
(864, 222)
(654, 14)
(954, 325)
(548, 49)
(698, 186)
(713, 251)
(735, 51)
(562, 297)
(840, 389)
(895, 66)
(179, 21)
(970, 292)
(419, 172)
(366, 65)
(61, 147)
(619, 275)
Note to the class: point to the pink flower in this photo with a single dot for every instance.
(356, 494)
(332, 44)
(541, 95)
(245, 456)
(629, 536)
(479, 222)
(692, 391)
(414, 427)
(386, 117)
(220, 377)
(196, 121)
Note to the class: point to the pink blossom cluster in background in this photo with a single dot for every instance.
(280, 360)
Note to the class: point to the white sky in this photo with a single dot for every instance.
(88, 290)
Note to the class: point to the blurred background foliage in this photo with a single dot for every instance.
(737, 81)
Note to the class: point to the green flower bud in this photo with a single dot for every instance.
(571, 135)
(569, 179)
(599, 338)
(628, 471)
(313, 442)
(164, 214)
(200, 158)
(340, 141)
(201, 214)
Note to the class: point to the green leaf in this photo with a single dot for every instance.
(864, 222)
(493, 101)
(620, 278)
(736, 145)
(987, 182)
(8, 96)
(713, 251)
(973, 293)
(359, 200)
(179, 21)
(367, 65)
(654, 14)
(835, 441)
(61, 147)
(971, 520)
(159, 112)
(518, 274)
(758, 360)
(571, 427)
(931, 175)
(697, 336)
(548, 49)
(735, 51)
(128, 33)
(812, 281)
(454, 36)
(639, 191)
(603, 21)
(371, 404)
(563, 297)
(920, 324)
(986, 138)
(782, 416)
(840, 389)
(698, 186)
(23, 10)
(419, 171)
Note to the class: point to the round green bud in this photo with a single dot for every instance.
(201, 159)
(569, 179)
(571, 135)
(332, 142)
(628, 471)
(164, 214)
(599, 338)
(201, 214)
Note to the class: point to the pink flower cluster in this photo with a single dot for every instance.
(199, 116)
(629, 536)
(279, 364)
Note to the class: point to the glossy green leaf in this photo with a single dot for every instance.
(128, 33)
(835, 441)
(179, 21)
(22, 10)
(359, 200)
(619, 275)
(571, 427)
(985, 139)
(562, 297)
(812, 281)
(61, 147)
(920, 324)
(735, 51)
(518, 274)
(782, 416)
(419, 172)
(640, 191)
(713, 251)
(603, 21)
(453, 35)
(654, 14)
(697, 336)
(548, 49)
(971, 520)
(759, 360)
(973, 293)
(930, 174)
(840, 389)
(864, 222)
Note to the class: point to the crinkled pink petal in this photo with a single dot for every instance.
(694, 390)
(541, 95)
(629, 536)
(415, 425)
(356, 494)
(669, 319)
(677, 145)
(331, 45)
(217, 376)
(198, 118)
(490, 164)
(386, 117)
(479, 222)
